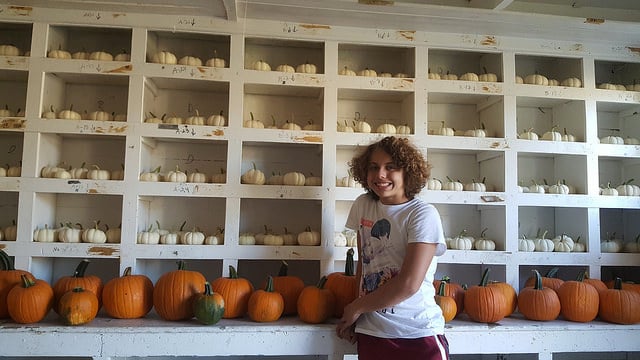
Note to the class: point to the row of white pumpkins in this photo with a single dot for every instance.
(11, 171)
(195, 119)
(99, 55)
(469, 76)
(70, 114)
(76, 233)
(6, 112)
(624, 189)
(457, 185)
(94, 172)
(560, 243)
(346, 237)
(307, 237)
(255, 176)
(180, 176)
(158, 235)
(619, 87)
(542, 187)
(362, 126)
(11, 50)
(611, 244)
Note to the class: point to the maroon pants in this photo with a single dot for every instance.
(426, 348)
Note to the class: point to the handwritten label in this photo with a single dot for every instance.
(555, 93)
(289, 28)
(377, 82)
(629, 97)
(179, 69)
(86, 128)
(186, 21)
(77, 186)
(383, 34)
(184, 188)
(467, 87)
(287, 79)
(92, 14)
(186, 130)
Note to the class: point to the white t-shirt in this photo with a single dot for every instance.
(385, 231)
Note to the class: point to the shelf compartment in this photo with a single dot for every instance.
(542, 115)
(301, 105)
(206, 156)
(278, 214)
(181, 44)
(613, 171)
(556, 68)
(381, 59)
(205, 214)
(13, 90)
(16, 34)
(376, 108)
(10, 150)
(85, 39)
(466, 166)
(52, 268)
(276, 52)
(534, 221)
(617, 73)
(619, 120)
(52, 209)
(281, 158)
(626, 273)
(621, 225)
(473, 219)
(466, 113)
(182, 98)
(8, 214)
(74, 150)
(554, 168)
(457, 62)
(85, 93)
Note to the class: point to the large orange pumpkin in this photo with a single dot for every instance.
(550, 280)
(485, 304)
(9, 277)
(265, 305)
(315, 303)
(453, 290)
(289, 287)
(538, 302)
(343, 285)
(619, 306)
(174, 291)
(30, 301)
(578, 300)
(78, 306)
(235, 291)
(77, 280)
(447, 304)
(128, 296)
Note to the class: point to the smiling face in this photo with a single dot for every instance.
(386, 179)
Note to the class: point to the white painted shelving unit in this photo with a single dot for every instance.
(138, 88)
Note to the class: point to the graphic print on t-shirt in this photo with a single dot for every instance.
(376, 264)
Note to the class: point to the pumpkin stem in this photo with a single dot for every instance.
(582, 275)
(441, 288)
(269, 286)
(284, 268)
(321, 282)
(617, 283)
(349, 266)
(538, 283)
(233, 274)
(207, 289)
(5, 261)
(81, 268)
(127, 271)
(485, 277)
(181, 265)
(26, 282)
(552, 273)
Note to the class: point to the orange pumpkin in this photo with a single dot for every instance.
(596, 283)
(510, 295)
(128, 296)
(315, 303)
(485, 304)
(578, 300)
(550, 280)
(538, 302)
(78, 306)
(9, 277)
(447, 304)
(454, 290)
(30, 301)
(289, 287)
(343, 285)
(235, 291)
(77, 280)
(174, 291)
(265, 305)
(619, 306)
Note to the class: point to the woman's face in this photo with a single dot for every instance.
(386, 179)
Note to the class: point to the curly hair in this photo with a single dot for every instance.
(405, 155)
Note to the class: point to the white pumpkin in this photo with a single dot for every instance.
(461, 242)
(449, 76)
(152, 119)
(219, 178)
(80, 55)
(59, 54)
(609, 191)
(164, 57)
(197, 177)
(571, 82)
(99, 116)
(368, 72)
(69, 114)
(543, 244)
(528, 134)
(169, 238)
(563, 243)
(362, 127)
(113, 234)
(552, 135)
(285, 68)
(190, 61)
(632, 246)
(519, 80)
(347, 72)
(176, 175)
(403, 130)
(294, 178)
(246, 239)
(14, 171)
(610, 139)
(527, 245)
(148, 237)
(253, 123)
(11, 231)
(433, 76)
(193, 237)
(122, 56)
(312, 126)
(94, 235)
(446, 131)
(386, 129)
(339, 239)
(153, 175)
(70, 234)
(216, 119)
(289, 238)
(610, 244)
(536, 79)
(309, 237)
(631, 141)
(174, 120)
(307, 68)
(345, 127)
(261, 65)
(313, 181)
(554, 82)
(579, 246)
(469, 77)
(452, 185)
(44, 234)
(50, 114)
(475, 186)
(483, 243)
(9, 50)
(98, 174)
(101, 56)
(216, 61)
(488, 77)
(559, 188)
(434, 184)
(253, 176)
